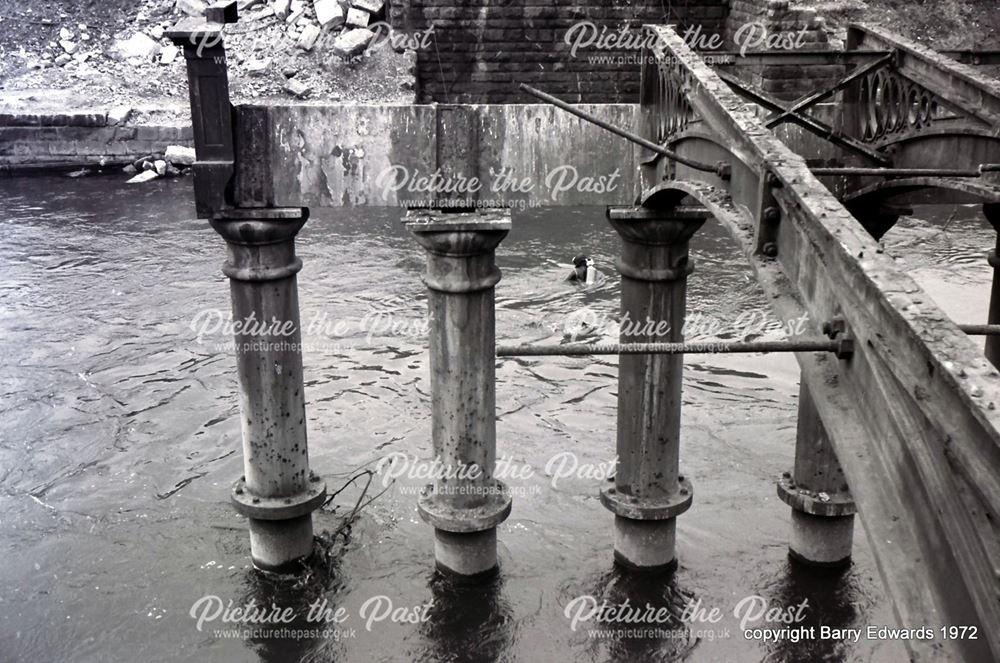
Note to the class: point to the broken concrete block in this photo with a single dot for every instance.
(308, 38)
(144, 176)
(160, 166)
(138, 46)
(282, 8)
(260, 15)
(169, 54)
(68, 46)
(258, 66)
(329, 12)
(370, 6)
(352, 42)
(119, 115)
(358, 18)
(177, 155)
(192, 7)
(298, 88)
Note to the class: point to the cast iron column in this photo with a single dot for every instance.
(822, 507)
(277, 493)
(465, 503)
(992, 213)
(648, 492)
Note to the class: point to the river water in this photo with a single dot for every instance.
(119, 439)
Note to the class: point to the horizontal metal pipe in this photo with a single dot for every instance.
(981, 330)
(908, 172)
(628, 135)
(705, 347)
(809, 57)
(710, 347)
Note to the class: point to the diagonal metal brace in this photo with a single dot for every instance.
(807, 122)
(817, 97)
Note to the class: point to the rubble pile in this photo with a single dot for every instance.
(319, 49)
(176, 161)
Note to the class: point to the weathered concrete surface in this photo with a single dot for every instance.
(554, 150)
(525, 154)
(332, 155)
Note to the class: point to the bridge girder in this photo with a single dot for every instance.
(912, 416)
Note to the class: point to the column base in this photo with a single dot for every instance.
(822, 541)
(647, 546)
(279, 546)
(469, 555)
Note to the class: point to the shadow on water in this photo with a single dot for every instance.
(631, 617)
(309, 599)
(833, 598)
(468, 621)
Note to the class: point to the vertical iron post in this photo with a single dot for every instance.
(465, 503)
(649, 492)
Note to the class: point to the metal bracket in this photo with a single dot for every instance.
(211, 109)
(770, 216)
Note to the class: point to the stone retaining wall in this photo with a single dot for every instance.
(32, 141)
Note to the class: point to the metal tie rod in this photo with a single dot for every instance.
(843, 347)
(721, 168)
(909, 172)
(981, 330)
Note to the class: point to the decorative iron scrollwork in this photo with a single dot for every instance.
(891, 104)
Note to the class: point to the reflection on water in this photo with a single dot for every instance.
(118, 439)
(467, 622)
(831, 598)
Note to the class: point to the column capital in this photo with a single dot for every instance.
(459, 235)
(258, 226)
(657, 227)
(655, 241)
(460, 247)
(261, 241)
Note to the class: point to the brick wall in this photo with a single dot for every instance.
(781, 20)
(481, 49)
